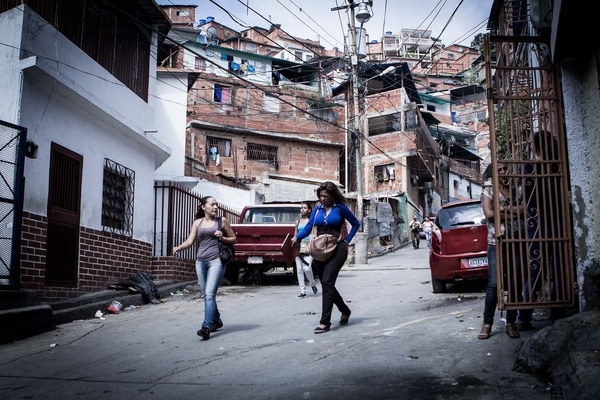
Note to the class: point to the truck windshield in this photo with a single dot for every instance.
(275, 215)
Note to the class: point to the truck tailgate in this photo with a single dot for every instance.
(264, 243)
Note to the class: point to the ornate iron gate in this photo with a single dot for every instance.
(527, 135)
(12, 159)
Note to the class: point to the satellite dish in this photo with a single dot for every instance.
(211, 33)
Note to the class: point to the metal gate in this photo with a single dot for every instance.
(527, 135)
(12, 160)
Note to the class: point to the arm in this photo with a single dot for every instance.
(307, 228)
(488, 206)
(354, 222)
(190, 239)
(229, 236)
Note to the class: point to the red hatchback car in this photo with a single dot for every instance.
(458, 244)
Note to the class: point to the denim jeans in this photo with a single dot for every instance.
(491, 292)
(428, 238)
(210, 274)
(304, 267)
(328, 272)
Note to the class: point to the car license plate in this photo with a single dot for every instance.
(478, 262)
(255, 260)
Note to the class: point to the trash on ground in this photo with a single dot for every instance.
(115, 307)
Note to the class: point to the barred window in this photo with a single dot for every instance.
(222, 146)
(117, 198)
(200, 64)
(384, 124)
(262, 153)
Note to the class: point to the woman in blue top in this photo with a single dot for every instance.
(330, 216)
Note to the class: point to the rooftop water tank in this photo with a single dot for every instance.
(210, 19)
(201, 22)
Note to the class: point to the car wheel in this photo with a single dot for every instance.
(438, 285)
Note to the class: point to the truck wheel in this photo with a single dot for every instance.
(232, 273)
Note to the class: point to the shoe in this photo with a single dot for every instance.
(301, 295)
(204, 333)
(511, 331)
(344, 319)
(315, 290)
(321, 329)
(524, 326)
(485, 331)
(218, 325)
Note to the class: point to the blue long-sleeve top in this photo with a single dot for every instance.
(332, 223)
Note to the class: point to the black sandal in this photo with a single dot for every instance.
(345, 318)
(322, 329)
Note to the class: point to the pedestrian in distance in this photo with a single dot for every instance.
(330, 216)
(210, 269)
(303, 259)
(428, 229)
(511, 203)
(415, 228)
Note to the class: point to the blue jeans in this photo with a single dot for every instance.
(491, 292)
(328, 272)
(428, 238)
(210, 274)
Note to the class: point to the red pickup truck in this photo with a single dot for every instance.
(264, 234)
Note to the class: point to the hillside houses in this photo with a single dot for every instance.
(250, 117)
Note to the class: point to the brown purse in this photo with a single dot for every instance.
(321, 247)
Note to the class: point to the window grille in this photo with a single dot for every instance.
(200, 64)
(117, 198)
(384, 124)
(262, 153)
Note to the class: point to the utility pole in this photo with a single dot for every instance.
(363, 15)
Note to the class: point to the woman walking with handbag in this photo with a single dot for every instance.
(329, 219)
(303, 259)
(209, 267)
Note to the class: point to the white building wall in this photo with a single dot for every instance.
(463, 189)
(171, 109)
(61, 95)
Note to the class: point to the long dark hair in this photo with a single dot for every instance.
(200, 211)
(331, 189)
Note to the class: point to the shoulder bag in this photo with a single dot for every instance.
(226, 251)
(321, 247)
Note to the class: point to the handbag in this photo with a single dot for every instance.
(321, 247)
(226, 251)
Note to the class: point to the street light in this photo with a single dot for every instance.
(363, 14)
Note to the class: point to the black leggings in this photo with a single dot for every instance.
(328, 272)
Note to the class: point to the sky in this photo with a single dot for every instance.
(452, 21)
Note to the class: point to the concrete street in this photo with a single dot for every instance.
(402, 342)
